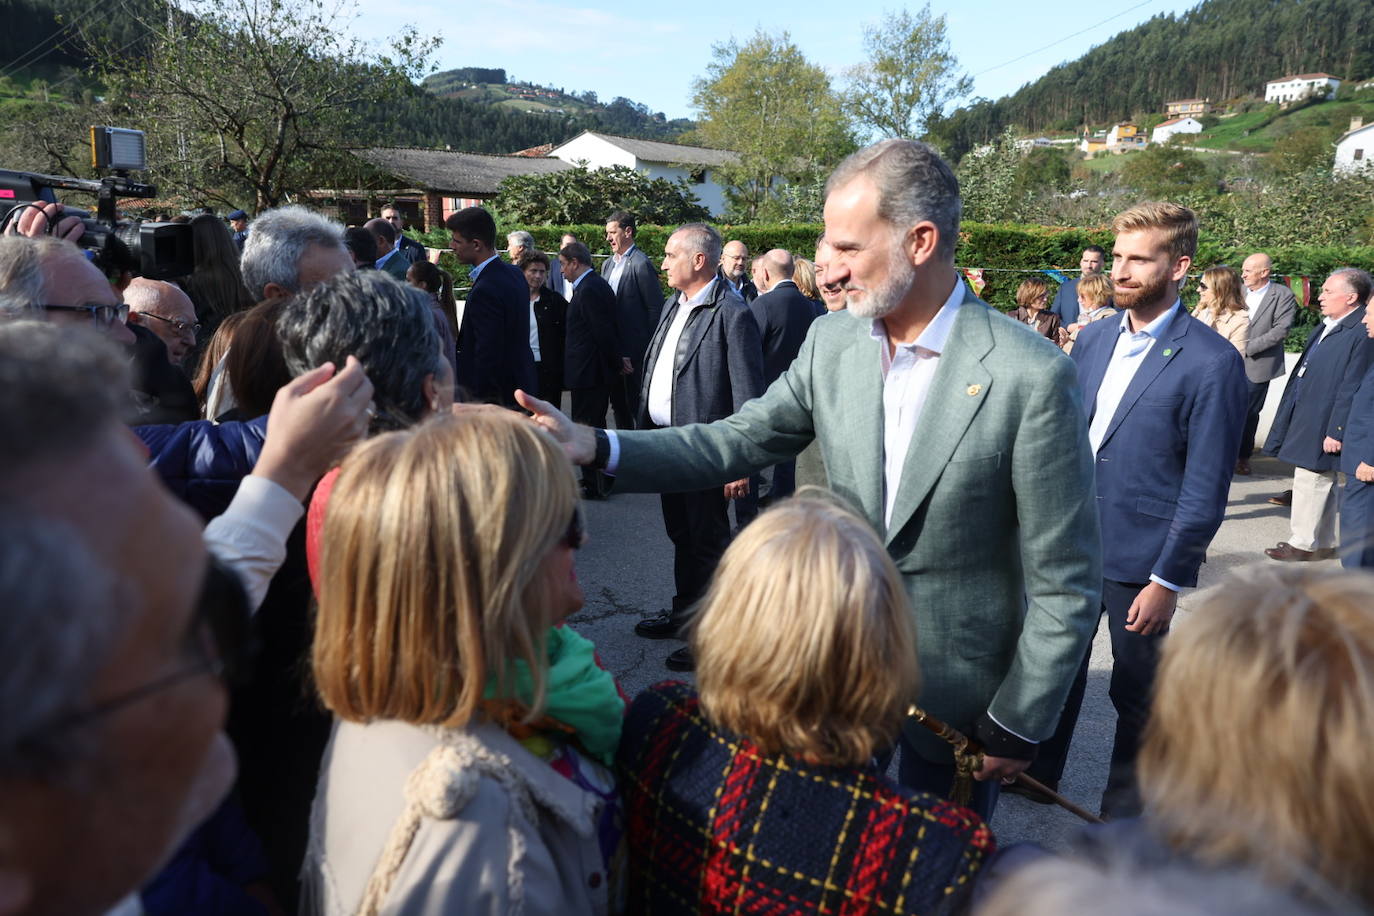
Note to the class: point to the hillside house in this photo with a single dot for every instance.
(1125, 136)
(1185, 107)
(1293, 88)
(1167, 129)
(695, 164)
(1355, 148)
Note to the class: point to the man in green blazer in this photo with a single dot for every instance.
(960, 435)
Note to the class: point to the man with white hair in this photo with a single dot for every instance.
(520, 243)
(1271, 308)
(290, 250)
(164, 309)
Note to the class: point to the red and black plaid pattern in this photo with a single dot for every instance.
(713, 826)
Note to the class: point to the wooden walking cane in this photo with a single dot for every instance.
(968, 757)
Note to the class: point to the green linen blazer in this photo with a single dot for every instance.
(994, 529)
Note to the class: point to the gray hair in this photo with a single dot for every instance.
(1361, 284)
(701, 239)
(58, 387)
(520, 237)
(276, 241)
(387, 325)
(62, 610)
(914, 185)
(23, 283)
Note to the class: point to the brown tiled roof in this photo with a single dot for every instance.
(453, 173)
(667, 153)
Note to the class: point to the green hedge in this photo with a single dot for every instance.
(996, 247)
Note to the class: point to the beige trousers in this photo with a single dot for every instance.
(1316, 505)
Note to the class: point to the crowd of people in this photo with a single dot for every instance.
(290, 565)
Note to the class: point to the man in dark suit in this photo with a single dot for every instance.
(1309, 427)
(1165, 398)
(703, 362)
(784, 316)
(389, 258)
(1065, 303)
(1357, 453)
(1272, 308)
(734, 261)
(592, 360)
(407, 247)
(639, 302)
(494, 357)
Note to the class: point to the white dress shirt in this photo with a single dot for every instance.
(250, 537)
(661, 382)
(618, 268)
(1253, 297)
(1127, 357)
(907, 374)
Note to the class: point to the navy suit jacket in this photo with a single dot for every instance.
(1358, 444)
(1164, 466)
(1065, 303)
(494, 356)
(639, 302)
(412, 250)
(1316, 402)
(591, 356)
(718, 364)
(784, 316)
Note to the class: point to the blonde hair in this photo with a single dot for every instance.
(804, 275)
(1224, 285)
(1031, 291)
(1257, 747)
(430, 583)
(1179, 225)
(805, 643)
(1095, 289)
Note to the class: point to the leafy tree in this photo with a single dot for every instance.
(765, 101)
(987, 180)
(1167, 172)
(910, 74)
(582, 195)
(1303, 149)
(257, 98)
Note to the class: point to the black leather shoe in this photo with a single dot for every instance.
(681, 660)
(660, 626)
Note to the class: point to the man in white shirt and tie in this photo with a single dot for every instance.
(639, 301)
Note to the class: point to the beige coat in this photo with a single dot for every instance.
(418, 821)
(1234, 326)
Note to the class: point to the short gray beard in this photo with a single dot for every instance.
(883, 300)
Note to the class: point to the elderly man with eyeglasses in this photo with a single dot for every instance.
(165, 310)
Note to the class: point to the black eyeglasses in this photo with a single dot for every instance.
(181, 326)
(576, 535)
(222, 637)
(103, 315)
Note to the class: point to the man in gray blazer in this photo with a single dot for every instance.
(1272, 308)
(639, 301)
(959, 435)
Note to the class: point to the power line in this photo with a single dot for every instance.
(27, 59)
(1060, 41)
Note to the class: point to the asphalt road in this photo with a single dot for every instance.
(626, 572)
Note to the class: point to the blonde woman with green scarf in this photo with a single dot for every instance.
(469, 771)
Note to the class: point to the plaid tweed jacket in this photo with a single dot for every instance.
(713, 826)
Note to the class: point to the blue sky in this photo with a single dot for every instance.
(652, 52)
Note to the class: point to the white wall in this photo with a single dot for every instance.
(1362, 140)
(710, 194)
(1162, 133)
(1293, 90)
(597, 153)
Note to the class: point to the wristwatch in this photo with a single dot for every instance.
(603, 449)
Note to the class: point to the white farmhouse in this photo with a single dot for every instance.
(1166, 129)
(695, 164)
(1292, 88)
(1355, 148)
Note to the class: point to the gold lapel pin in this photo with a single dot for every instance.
(973, 390)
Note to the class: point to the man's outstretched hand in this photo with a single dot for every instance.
(579, 442)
